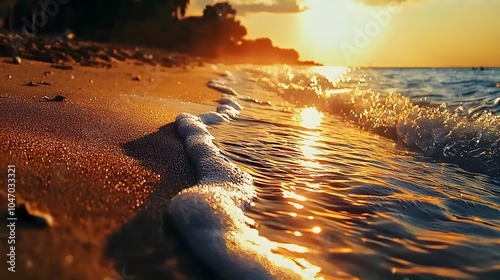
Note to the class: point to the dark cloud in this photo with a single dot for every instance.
(278, 6)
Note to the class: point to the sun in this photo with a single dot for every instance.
(328, 22)
(330, 31)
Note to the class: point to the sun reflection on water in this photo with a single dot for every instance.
(309, 143)
(293, 195)
(310, 117)
(278, 257)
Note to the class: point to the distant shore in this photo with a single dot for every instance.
(89, 128)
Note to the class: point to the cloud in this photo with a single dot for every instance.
(277, 6)
(262, 6)
(380, 2)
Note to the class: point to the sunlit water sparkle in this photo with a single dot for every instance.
(372, 173)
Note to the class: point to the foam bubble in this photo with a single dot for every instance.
(228, 110)
(219, 86)
(213, 117)
(231, 102)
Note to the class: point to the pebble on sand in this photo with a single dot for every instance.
(57, 98)
(28, 214)
(16, 60)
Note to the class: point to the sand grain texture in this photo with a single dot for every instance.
(104, 165)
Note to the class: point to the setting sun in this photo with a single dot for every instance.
(411, 33)
(320, 24)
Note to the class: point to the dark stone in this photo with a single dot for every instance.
(57, 98)
(29, 216)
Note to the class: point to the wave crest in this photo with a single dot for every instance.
(467, 137)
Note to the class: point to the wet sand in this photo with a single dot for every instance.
(103, 164)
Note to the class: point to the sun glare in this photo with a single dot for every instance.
(327, 22)
(343, 31)
(334, 74)
(310, 117)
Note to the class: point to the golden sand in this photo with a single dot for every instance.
(103, 164)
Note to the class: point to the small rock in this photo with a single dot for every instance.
(72, 77)
(31, 84)
(137, 78)
(16, 60)
(117, 55)
(69, 259)
(45, 83)
(91, 81)
(57, 98)
(26, 213)
(48, 73)
(9, 76)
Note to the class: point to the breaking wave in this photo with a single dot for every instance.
(464, 131)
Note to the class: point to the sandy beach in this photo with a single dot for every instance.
(102, 164)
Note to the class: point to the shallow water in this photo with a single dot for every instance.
(372, 173)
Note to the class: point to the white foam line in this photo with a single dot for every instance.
(210, 214)
(221, 184)
(219, 86)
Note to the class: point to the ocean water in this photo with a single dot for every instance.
(346, 173)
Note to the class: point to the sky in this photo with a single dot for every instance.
(378, 33)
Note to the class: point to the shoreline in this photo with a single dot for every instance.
(92, 164)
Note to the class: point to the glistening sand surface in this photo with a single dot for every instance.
(104, 165)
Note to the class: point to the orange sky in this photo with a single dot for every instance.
(416, 33)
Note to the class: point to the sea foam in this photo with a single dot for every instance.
(221, 87)
(210, 214)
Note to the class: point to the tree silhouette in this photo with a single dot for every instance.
(221, 11)
(222, 17)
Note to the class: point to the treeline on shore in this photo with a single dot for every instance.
(154, 23)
